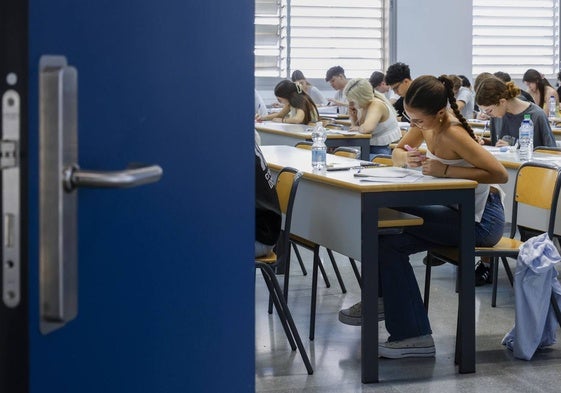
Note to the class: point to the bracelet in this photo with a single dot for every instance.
(446, 170)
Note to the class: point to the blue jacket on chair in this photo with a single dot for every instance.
(534, 281)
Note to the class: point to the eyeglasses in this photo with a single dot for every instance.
(415, 122)
(489, 110)
(396, 86)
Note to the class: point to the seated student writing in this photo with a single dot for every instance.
(452, 151)
(371, 113)
(298, 107)
(316, 95)
(540, 89)
(499, 101)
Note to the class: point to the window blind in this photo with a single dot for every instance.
(270, 38)
(313, 36)
(515, 35)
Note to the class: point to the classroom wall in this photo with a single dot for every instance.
(433, 37)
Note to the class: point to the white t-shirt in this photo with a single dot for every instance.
(339, 96)
(468, 97)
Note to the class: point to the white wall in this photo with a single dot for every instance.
(433, 37)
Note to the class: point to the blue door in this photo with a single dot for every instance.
(165, 274)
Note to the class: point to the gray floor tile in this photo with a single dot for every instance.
(335, 352)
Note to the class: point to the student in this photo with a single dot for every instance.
(268, 216)
(371, 113)
(260, 107)
(540, 89)
(465, 98)
(335, 76)
(505, 77)
(398, 76)
(452, 151)
(317, 96)
(558, 84)
(499, 101)
(378, 82)
(298, 106)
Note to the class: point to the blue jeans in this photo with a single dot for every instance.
(405, 314)
(382, 149)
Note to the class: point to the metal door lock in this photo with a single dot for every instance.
(9, 164)
(8, 154)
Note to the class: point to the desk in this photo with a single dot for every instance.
(289, 134)
(328, 209)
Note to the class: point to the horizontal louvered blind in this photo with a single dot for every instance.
(270, 38)
(515, 35)
(349, 33)
(312, 35)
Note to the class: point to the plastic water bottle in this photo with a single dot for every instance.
(526, 138)
(319, 150)
(552, 108)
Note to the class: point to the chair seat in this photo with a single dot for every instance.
(302, 241)
(269, 259)
(505, 247)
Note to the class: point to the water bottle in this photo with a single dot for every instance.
(526, 138)
(552, 108)
(319, 150)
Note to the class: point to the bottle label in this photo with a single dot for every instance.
(318, 157)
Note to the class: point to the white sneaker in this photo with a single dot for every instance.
(353, 315)
(414, 347)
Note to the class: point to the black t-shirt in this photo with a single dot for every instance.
(398, 105)
(268, 217)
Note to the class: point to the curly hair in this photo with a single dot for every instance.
(491, 90)
(397, 72)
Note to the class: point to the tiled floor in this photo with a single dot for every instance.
(335, 352)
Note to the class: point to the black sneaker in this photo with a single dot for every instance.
(483, 274)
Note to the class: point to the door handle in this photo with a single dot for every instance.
(75, 177)
(60, 177)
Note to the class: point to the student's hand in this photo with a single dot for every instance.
(482, 116)
(331, 101)
(415, 158)
(258, 118)
(500, 143)
(353, 112)
(433, 168)
(278, 120)
(354, 128)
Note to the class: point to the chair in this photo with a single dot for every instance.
(384, 159)
(304, 145)
(344, 151)
(536, 192)
(548, 150)
(287, 184)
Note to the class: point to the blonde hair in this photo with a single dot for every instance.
(360, 91)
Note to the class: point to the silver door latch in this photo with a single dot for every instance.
(10, 208)
(8, 154)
